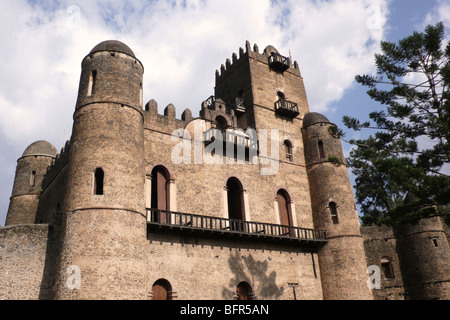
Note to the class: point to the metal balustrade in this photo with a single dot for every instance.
(287, 108)
(279, 62)
(176, 221)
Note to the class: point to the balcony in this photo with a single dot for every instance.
(287, 108)
(166, 221)
(279, 62)
(238, 106)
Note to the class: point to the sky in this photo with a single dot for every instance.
(181, 43)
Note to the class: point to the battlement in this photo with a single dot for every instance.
(167, 120)
(57, 165)
(269, 56)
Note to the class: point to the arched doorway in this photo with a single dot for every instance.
(284, 210)
(162, 290)
(244, 291)
(160, 194)
(236, 210)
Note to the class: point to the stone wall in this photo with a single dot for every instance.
(379, 243)
(22, 261)
(211, 269)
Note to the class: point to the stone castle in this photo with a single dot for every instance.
(238, 203)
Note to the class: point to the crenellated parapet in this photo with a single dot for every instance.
(57, 165)
(167, 120)
(269, 56)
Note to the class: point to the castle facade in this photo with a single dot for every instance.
(240, 202)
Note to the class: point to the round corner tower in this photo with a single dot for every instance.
(424, 256)
(30, 172)
(104, 224)
(342, 260)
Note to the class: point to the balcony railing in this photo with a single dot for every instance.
(213, 226)
(210, 102)
(279, 62)
(287, 108)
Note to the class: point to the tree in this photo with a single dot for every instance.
(410, 145)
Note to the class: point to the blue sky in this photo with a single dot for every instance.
(181, 44)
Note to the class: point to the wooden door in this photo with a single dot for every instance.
(242, 292)
(160, 195)
(159, 292)
(284, 212)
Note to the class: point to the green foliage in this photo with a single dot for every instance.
(410, 144)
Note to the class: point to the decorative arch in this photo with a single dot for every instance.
(222, 123)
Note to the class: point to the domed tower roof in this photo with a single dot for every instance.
(314, 118)
(114, 46)
(40, 148)
(269, 49)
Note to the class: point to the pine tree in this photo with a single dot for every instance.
(410, 144)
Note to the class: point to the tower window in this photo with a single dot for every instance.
(435, 242)
(387, 267)
(333, 212)
(321, 150)
(33, 179)
(288, 150)
(99, 178)
(141, 94)
(92, 82)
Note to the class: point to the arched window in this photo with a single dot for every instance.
(333, 212)
(288, 149)
(99, 177)
(244, 292)
(281, 95)
(387, 267)
(160, 193)
(235, 200)
(221, 123)
(162, 290)
(321, 150)
(284, 210)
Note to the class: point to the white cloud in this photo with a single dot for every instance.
(180, 43)
(441, 12)
(334, 40)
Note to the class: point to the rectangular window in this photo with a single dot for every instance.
(99, 178)
(435, 242)
(92, 82)
(333, 212)
(321, 150)
(33, 179)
